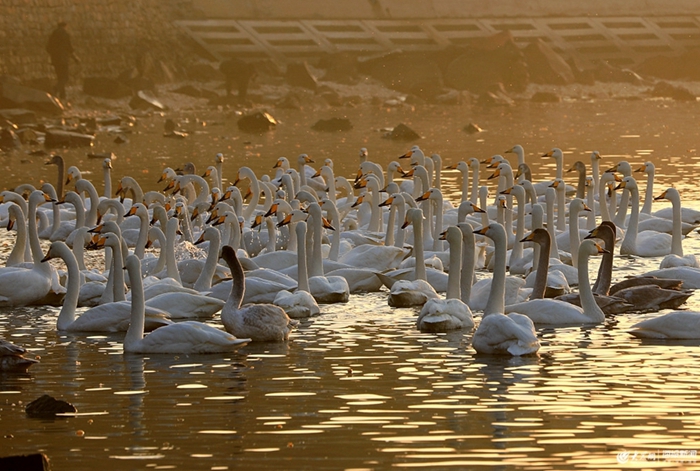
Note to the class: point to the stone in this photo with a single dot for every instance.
(101, 155)
(299, 74)
(605, 72)
(18, 116)
(545, 65)
(332, 125)
(47, 407)
(9, 139)
(28, 136)
(105, 87)
(402, 133)
(121, 139)
(666, 90)
(497, 98)
(111, 120)
(472, 128)
(257, 122)
(144, 100)
(32, 462)
(545, 97)
(483, 62)
(59, 138)
(13, 95)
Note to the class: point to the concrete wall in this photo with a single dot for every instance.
(363, 9)
(108, 35)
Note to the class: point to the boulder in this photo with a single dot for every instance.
(144, 100)
(257, 122)
(545, 65)
(28, 136)
(18, 116)
(472, 128)
(9, 139)
(300, 75)
(332, 125)
(33, 462)
(105, 87)
(485, 61)
(60, 138)
(47, 407)
(13, 95)
(402, 133)
(666, 90)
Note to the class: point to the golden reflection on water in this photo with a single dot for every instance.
(359, 387)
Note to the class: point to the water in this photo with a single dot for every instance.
(359, 387)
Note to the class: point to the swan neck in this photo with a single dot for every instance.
(138, 307)
(588, 304)
(497, 297)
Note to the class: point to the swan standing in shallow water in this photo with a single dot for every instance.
(441, 315)
(259, 322)
(498, 333)
(676, 257)
(183, 337)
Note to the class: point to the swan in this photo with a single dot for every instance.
(498, 333)
(556, 312)
(676, 257)
(638, 296)
(441, 315)
(406, 293)
(259, 322)
(108, 317)
(12, 357)
(183, 337)
(300, 303)
(645, 243)
(25, 286)
(325, 289)
(183, 305)
(682, 325)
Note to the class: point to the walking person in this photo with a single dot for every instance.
(61, 51)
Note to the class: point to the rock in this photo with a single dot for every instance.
(59, 138)
(33, 462)
(189, 90)
(545, 97)
(47, 407)
(581, 75)
(13, 95)
(101, 155)
(299, 75)
(666, 90)
(332, 125)
(144, 100)
(28, 136)
(449, 97)
(402, 133)
(9, 139)
(203, 72)
(111, 120)
(121, 139)
(605, 72)
(331, 96)
(497, 98)
(239, 73)
(257, 122)
(140, 83)
(472, 128)
(291, 101)
(18, 116)
(105, 87)
(175, 134)
(545, 65)
(485, 61)
(340, 67)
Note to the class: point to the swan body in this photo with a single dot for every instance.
(12, 357)
(683, 325)
(180, 305)
(260, 322)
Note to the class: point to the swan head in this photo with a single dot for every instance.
(628, 182)
(590, 247)
(516, 149)
(555, 152)
(670, 194)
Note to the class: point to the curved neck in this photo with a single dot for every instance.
(574, 238)
(316, 255)
(67, 315)
(302, 269)
(497, 297)
(17, 255)
(454, 288)
(117, 272)
(418, 247)
(629, 243)
(170, 262)
(138, 306)
(588, 304)
(676, 232)
(604, 280)
(204, 279)
(235, 297)
(648, 193)
(467, 275)
(542, 269)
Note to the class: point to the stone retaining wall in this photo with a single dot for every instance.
(108, 36)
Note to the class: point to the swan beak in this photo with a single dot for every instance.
(641, 169)
(287, 219)
(131, 211)
(162, 178)
(407, 155)
(424, 196)
(387, 202)
(528, 238)
(195, 213)
(47, 257)
(601, 249)
(409, 173)
(482, 230)
(199, 241)
(308, 160)
(278, 164)
(586, 208)
(10, 224)
(443, 235)
(272, 210)
(405, 224)
(495, 174)
(327, 224)
(360, 184)
(69, 178)
(97, 229)
(622, 185)
(451, 167)
(477, 209)
(518, 172)
(257, 222)
(206, 173)
(507, 191)
(661, 196)
(510, 151)
(358, 201)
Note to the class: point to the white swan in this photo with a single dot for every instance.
(683, 325)
(441, 315)
(299, 304)
(325, 289)
(645, 243)
(498, 333)
(259, 322)
(555, 312)
(676, 257)
(406, 293)
(108, 317)
(183, 337)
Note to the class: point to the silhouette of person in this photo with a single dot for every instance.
(61, 51)
(239, 72)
